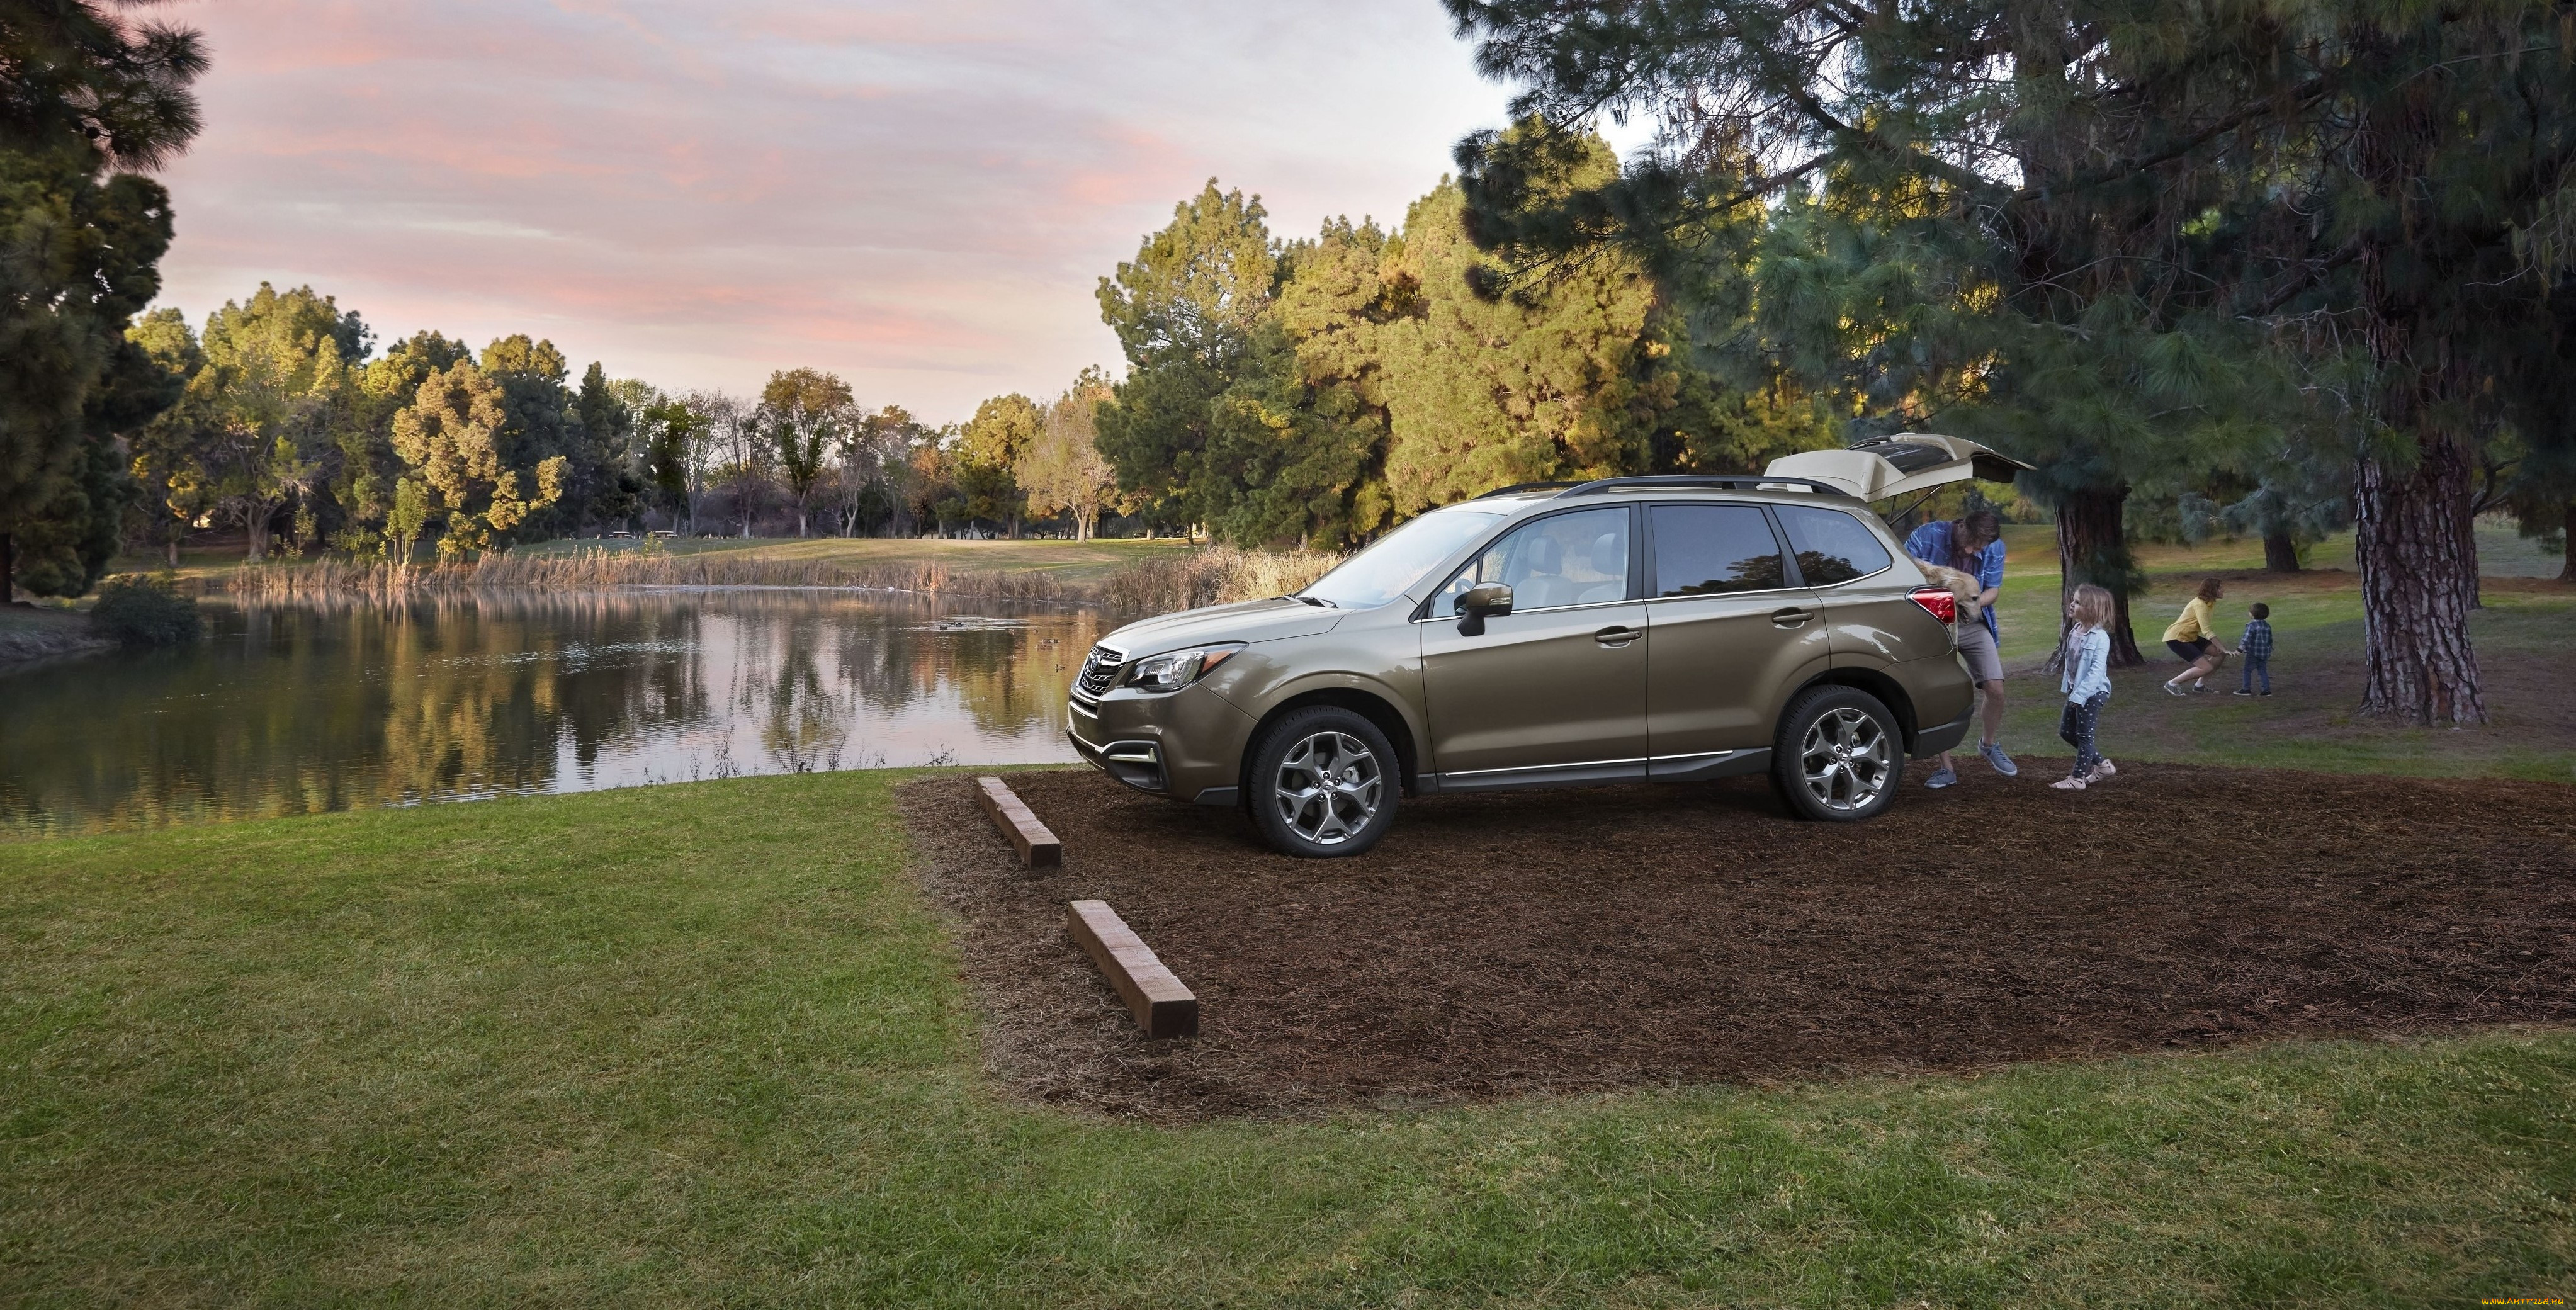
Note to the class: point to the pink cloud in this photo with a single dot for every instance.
(918, 196)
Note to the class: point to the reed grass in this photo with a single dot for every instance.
(1212, 576)
(591, 569)
(1217, 575)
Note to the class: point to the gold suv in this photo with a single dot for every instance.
(1627, 629)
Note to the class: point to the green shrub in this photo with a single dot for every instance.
(142, 611)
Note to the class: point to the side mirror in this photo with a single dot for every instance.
(1490, 598)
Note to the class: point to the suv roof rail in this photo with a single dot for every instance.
(1518, 487)
(1708, 481)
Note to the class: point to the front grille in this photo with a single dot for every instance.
(1100, 671)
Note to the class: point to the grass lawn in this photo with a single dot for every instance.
(2525, 639)
(704, 1044)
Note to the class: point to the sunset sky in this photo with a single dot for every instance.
(920, 197)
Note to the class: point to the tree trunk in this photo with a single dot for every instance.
(2416, 589)
(256, 526)
(8, 569)
(2467, 519)
(2567, 539)
(2280, 553)
(2093, 546)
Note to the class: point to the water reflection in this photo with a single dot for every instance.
(296, 709)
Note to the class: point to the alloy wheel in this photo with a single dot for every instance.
(1328, 788)
(1846, 759)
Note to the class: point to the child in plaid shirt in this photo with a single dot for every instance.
(2256, 645)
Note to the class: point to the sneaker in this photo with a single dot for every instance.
(2200, 684)
(2105, 769)
(2003, 763)
(2262, 693)
(1942, 778)
(2175, 689)
(2068, 784)
(2240, 692)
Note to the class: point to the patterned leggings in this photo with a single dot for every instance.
(2076, 729)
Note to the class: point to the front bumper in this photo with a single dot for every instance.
(1186, 745)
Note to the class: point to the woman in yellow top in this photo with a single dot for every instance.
(2193, 638)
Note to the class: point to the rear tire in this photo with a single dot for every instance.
(1323, 783)
(1837, 757)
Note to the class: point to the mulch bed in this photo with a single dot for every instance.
(1496, 945)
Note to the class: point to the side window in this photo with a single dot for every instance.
(1832, 546)
(1704, 550)
(1565, 559)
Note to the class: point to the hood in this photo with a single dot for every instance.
(1895, 466)
(1247, 621)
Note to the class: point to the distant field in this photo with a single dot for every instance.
(1073, 562)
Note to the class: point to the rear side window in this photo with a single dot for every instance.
(1706, 550)
(1832, 546)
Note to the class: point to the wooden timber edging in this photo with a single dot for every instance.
(1162, 1006)
(1038, 847)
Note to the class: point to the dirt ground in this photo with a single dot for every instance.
(1565, 941)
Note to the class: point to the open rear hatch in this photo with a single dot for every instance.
(1894, 466)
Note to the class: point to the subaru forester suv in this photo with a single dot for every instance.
(1552, 635)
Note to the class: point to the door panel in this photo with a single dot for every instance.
(1560, 681)
(1720, 665)
(1728, 632)
(1538, 690)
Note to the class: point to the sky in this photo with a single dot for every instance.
(920, 197)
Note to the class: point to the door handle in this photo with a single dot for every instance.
(1790, 618)
(1616, 637)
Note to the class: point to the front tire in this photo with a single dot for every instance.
(1837, 756)
(1323, 783)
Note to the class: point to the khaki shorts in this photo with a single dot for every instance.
(1977, 651)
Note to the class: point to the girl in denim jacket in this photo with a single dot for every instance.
(2087, 684)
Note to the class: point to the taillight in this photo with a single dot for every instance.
(1937, 602)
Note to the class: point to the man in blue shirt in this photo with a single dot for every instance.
(1974, 544)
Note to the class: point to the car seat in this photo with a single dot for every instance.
(1610, 560)
(1541, 584)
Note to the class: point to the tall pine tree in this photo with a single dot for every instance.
(88, 100)
(2109, 193)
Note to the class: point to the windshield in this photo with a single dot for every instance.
(1400, 559)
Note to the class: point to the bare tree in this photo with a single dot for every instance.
(708, 442)
(1063, 470)
(740, 454)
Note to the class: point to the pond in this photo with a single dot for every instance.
(294, 709)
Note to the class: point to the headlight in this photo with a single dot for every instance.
(1178, 669)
